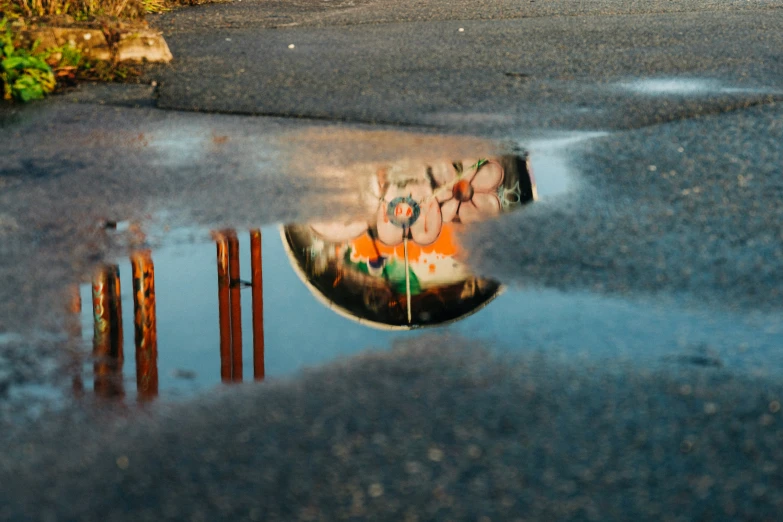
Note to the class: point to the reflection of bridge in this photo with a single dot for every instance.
(108, 355)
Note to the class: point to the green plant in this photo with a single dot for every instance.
(24, 76)
(69, 56)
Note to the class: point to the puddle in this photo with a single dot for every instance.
(192, 175)
(304, 324)
(553, 173)
(209, 307)
(686, 87)
(278, 298)
(190, 308)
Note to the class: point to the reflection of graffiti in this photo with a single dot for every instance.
(369, 281)
(400, 268)
(510, 196)
(474, 192)
(144, 322)
(415, 202)
(389, 266)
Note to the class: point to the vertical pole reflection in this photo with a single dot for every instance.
(257, 286)
(107, 333)
(236, 306)
(224, 313)
(145, 324)
(74, 328)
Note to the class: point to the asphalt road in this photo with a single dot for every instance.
(426, 432)
(674, 195)
(494, 77)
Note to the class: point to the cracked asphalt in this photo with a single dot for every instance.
(673, 203)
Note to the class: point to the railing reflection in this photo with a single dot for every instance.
(236, 306)
(107, 332)
(224, 306)
(230, 305)
(108, 356)
(145, 324)
(73, 328)
(257, 285)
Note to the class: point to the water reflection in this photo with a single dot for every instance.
(107, 341)
(230, 305)
(145, 324)
(402, 267)
(399, 266)
(108, 353)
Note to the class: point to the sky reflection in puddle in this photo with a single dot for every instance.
(687, 87)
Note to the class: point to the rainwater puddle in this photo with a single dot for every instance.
(203, 307)
(309, 320)
(687, 87)
(276, 299)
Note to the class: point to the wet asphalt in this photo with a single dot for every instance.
(667, 115)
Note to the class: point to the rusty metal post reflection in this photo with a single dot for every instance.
(257, 285)
(145, 324)
(107, 333)
(224, 313)
(74, 329)
(74, 307)
(236, 306)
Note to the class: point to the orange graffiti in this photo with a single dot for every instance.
(364, 248)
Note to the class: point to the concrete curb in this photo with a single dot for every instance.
(125, 45)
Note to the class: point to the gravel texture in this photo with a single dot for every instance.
(428, 431)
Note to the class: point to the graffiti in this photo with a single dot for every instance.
(510, 196)
(400, 268)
